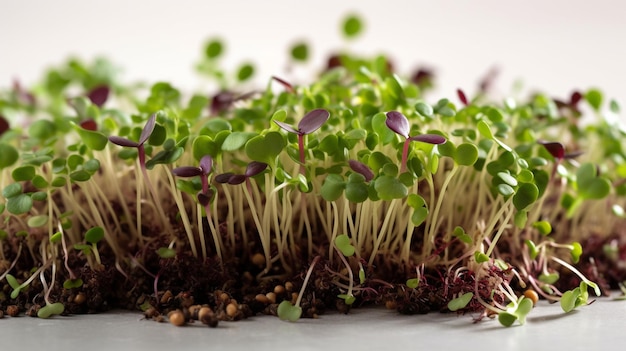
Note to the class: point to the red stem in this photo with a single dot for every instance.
(405, 154)
(301, 147)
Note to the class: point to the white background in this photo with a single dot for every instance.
(555, 46)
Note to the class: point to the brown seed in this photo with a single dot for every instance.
(224, 297)
(289, 286)
(258, 259)
(262, 299)
(210, 320)
(279, 289)
(203, 312)
(13, 310)
(391, 305)
(532, 295)
(151, 312)
(294, 297)
(80, 298)
(231, 309)
(271, 297)
(177, 318)
(193, 311)
(167, 296)
(1, 314)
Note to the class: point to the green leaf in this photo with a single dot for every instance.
(549, 278)
(236, 140)
(300, 51)
(460, 233)
(484, 129)
(506, 319)
(213, 49)
(352, 26)
(266, 148)
(543, 227)
(37, 221)
(342, 242)
(526, 195)
(288, 312)
(594, 98)
(480, 257)
(42, 129)
(532, 249)
(460, 302)
(576, 252)
(166, 252)
(72, 283)
(94, 235)
(9, 155)
(333, 187)
(568, 300)
(466, 154)
(245, 72)
(23, 173)
(349, 299)
(424, 109)
(12, 281)
(56, 237)
(356, 192)
(19, 204)
(389, 188)
(524, 306)
(49, 310)
(12, 190)
(93, 139)
(412, 283)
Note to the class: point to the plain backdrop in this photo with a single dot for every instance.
(555, 46)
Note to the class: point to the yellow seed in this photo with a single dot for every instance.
(80, 298)
(177, 318)
(262, 299)
(390, 305)
(279, 289)
(258, 259)
(231, 309)
(204, 313)
(294, 297)
(532, 295)
(271, 296)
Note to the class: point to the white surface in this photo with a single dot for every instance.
(555, 46)
(596, 327)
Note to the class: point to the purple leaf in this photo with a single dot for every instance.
(123, 141)
(147, 129)
(206, 164)
(462, 97)
(572, 155)
(187, 171)
(422, 77)
(362, 169)
(89, 124)
(575, 98)
(255, 168)
(313, 120)
(397, 122)
(284, 83)
(223, 178)
(236, 179)
(99, 95)
(556, 149)
(429, 138)
(4, 125)
(205, 198)
(221, 102)
(287, 127)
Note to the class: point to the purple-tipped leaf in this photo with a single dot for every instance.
(123, 141)
(99, 95)
(556, 149)
(429, 138)
(4, 125)
(147, 129)
(362, 169)
(284, 83)
(223, 178)
(236, 179)
(398, 123)
(187, 171)
(313, 120)
(462, 97)
(89, 124)
(255, 168)
(287, 127)
(206, 164)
